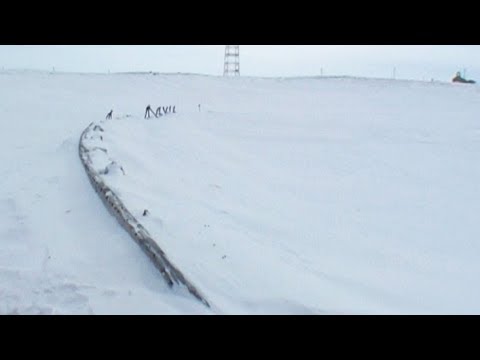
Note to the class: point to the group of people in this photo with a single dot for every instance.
(161, 111)
(166, 110)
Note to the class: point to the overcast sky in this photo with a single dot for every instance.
(411, 61)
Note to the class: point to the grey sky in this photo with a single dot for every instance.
(411, 61)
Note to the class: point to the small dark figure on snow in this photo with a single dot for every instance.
(459, 79)
(159, 112)
(146, 213)
(148, 111)
(109, 115)
(165, 110)
(174, 110)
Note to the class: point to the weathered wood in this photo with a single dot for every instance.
(115, 206)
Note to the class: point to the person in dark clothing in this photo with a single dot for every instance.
(159, 112)
(148, 111)
(109, 115)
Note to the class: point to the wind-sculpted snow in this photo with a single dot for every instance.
(170, 273)
(285, 196)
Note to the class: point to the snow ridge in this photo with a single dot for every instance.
(130, 224)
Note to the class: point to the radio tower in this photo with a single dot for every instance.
(232, 60)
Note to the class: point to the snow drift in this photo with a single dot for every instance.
(305, 196)
(87, 151)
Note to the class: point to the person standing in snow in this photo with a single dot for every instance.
(109, 115)
(148, 111)
(159, 112)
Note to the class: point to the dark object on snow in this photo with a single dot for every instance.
(110, 167)
(459, 79)
(149, 111)
(159, 112)
(109, 115)
(174, 110)
(145, 213)
(165, 110)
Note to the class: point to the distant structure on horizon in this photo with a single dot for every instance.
(459, 79)
(232, 60)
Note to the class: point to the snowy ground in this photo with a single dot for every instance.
(305, 196)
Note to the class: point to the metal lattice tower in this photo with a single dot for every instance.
(232, 60)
